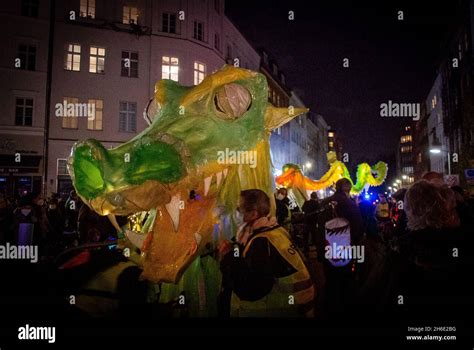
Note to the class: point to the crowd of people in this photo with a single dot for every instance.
(416, 247)
(415, 259)
(53, 224)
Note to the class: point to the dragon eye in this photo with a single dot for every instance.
(232, 101)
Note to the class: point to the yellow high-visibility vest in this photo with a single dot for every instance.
(291, 296)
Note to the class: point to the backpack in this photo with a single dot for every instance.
(338, 241)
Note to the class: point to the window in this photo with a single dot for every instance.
(199, 30)
(24, 111)
(128, 117)
(405, 139)
(27, 56)
(62, 167)
(73, 57)
(169, 23)
(331, 134)
(199, 72)
(406, 149)
(169, 68)
(129, 64)
(278, 131)
(29, 8)
(87, 8)
(97, 60)
(407, 170)
(418, 158)
(217, 42)
(70, 121)
(130, 15)
(278, 102)
(229, 51)
(95, 122)
(331, 144)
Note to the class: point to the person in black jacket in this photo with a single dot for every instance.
(310, 209)
(347, 209)
(253, 271)
(432, 260)
(282, 206)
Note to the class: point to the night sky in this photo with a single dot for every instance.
(389, 60)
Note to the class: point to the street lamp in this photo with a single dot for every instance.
(399, 181)
(404, 177)
(437, 148)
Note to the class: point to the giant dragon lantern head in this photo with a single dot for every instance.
(181, 151)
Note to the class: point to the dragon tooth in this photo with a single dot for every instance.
(135, 238)
(218, 178)
(207, 184)
(173, 210)
(197, 237)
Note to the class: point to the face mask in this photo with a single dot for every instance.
(239, 218)
(280, 197)
(52, 207)
(25, 212)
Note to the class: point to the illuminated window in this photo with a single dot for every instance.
(73, 58)
(405, 139)
(97, 60)
(199, 72)
(169, 68)
(130, 15)
(94, 122)
(70, 121)
(331, 134)
(87, 8)
(331, 144)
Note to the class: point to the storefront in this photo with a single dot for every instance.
(20, 177)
